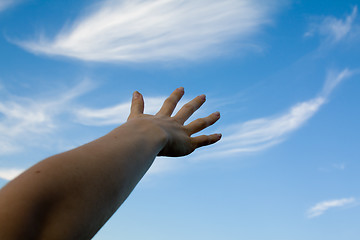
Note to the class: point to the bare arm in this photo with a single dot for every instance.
(71, 195)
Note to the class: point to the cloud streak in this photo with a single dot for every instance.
(10, 173)
(260, 134)
(4, 4)
(160, 30)
(118, 113)
(22, 120)
(322, 207)
(113, 115)
(333, 29)
(250, 136)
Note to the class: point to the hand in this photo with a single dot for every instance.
(178, 136)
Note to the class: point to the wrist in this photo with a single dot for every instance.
(146, 131)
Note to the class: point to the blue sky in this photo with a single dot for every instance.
(284, 75)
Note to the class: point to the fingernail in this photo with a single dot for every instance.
(181, 89)
(219, 135)
(217, 114)
(202, 97)
(136, 95)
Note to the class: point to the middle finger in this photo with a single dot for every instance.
(171, 102)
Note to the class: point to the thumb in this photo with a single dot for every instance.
(137, 105)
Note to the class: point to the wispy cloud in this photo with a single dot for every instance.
(322, 207)
(334, 167)
(334, 29)
(4, 4)
(118, 113)
(160, 30)
(251, 136)
(113, 115)
(165, 165)
(10, 173)
(24, 119)
(259, 134)
(339, 166)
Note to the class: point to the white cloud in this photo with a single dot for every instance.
(115, 114)
(334, 29)
(157, 30)
(334, 78)
(4, 4)
(10, 173)
(164, 164)
(322, 207)
(339, 166)
(259, 134)
(334, 167)
(251, 136)
(22, 120)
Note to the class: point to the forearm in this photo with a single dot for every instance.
(71, 195)
(82, 188)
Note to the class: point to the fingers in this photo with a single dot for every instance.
(170, 103)
(188, 109)
(137, 104)
(205, 140)
(202, 123)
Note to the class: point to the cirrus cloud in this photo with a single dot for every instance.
(23, 120)
(160, 30)
(113, 115)
(10, 173)
(28, 118)
(251, 136)
(259, 134)
(335, 29)
(322, 207)
(4, 4)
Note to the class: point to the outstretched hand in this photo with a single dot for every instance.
(178, 136)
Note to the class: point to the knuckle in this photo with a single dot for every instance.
(170, 101)
(189, 107)
(194, 145)
(202, 123)
(204, 140)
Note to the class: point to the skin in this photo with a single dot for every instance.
(71, 195)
